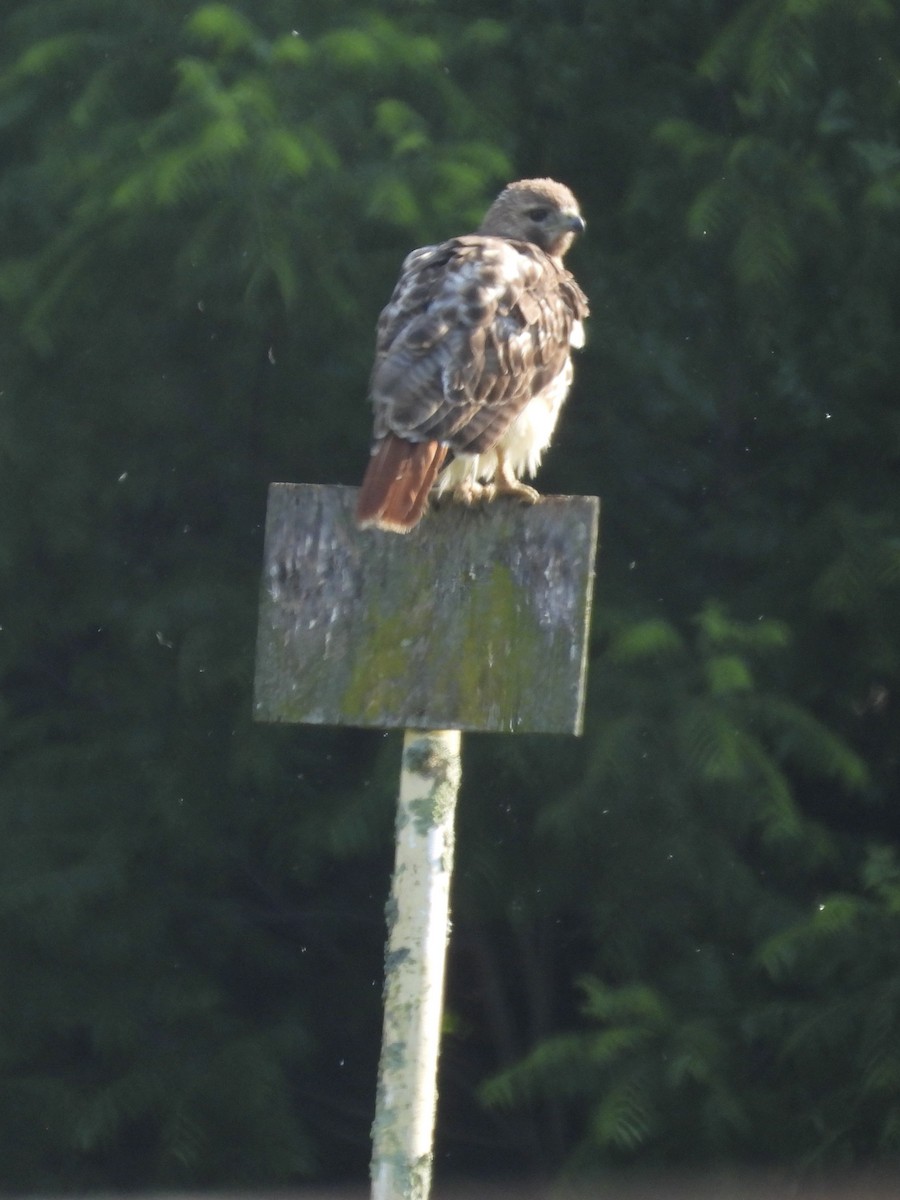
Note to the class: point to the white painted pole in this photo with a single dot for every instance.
(418, 928)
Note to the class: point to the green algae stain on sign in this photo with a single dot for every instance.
(477, 620)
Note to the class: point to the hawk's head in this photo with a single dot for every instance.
(541, 211)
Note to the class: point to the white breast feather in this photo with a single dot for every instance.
(527, 437)
(521, 445)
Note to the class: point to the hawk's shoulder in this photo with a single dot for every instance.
(470, 281)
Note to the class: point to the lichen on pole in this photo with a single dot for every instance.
(418, 927)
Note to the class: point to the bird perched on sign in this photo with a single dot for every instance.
(473, 359)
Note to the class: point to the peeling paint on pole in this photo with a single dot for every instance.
(418, 923)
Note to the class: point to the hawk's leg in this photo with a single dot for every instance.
(507, 485)
(470, 492)
(466, 489)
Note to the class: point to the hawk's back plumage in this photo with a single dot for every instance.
(473, 356)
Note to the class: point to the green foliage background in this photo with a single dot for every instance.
(674, 940)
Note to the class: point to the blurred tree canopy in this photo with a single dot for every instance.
(673, 939)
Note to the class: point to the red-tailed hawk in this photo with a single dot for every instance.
(473, 356)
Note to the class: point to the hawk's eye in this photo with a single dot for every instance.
(538, 214)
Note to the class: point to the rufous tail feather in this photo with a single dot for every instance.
(395, 487)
